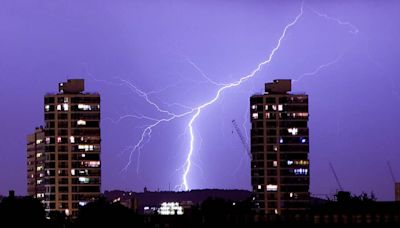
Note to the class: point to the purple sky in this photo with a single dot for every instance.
(354, 102)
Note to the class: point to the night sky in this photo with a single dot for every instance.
(346, 55)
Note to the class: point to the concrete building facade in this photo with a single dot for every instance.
(279, 146)
(71, 161)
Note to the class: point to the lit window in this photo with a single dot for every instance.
(293, 131)
(281, 140)
(254, 107)
(82, 203)
(302, 114)
(40, 195)
(83, 172)
(289, 162)
(301, 162)
(84, 180)
(259, 187)
(86, 147)
(274, 107)
(38, 155)
(291, 194)
(73, 172)
(280, 107)
(84, 107)
(58, 139)
(39, 168)
(83, 155)
(41, 175)
(276, 211)
(47, 140)
(81, 122)
(267, 115)
(275, 148)
(266, 107)
(65, 99)
(39, 181)
(47, 108)
(255, 115)
(272, 187)
(92, 163)
(63, 107)
(303, 140)
(38, 141)
(275, 163)
(300, 171)
(72, 139)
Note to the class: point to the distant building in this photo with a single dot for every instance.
(397, 191)
(64, 157)
(35, 163)
(280, 174)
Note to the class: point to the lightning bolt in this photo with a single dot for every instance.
(208, 79)
(354, 29)
(198, 109)
(318, 69)
(146, 133)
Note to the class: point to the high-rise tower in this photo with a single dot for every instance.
(71, 157)
(280, 146)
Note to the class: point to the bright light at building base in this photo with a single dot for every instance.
(170, 208)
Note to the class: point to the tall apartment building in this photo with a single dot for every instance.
(279, 147)
(69, 150)
(36, 159)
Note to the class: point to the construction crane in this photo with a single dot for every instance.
(242, 139)
(391, 172)
(336, 177)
